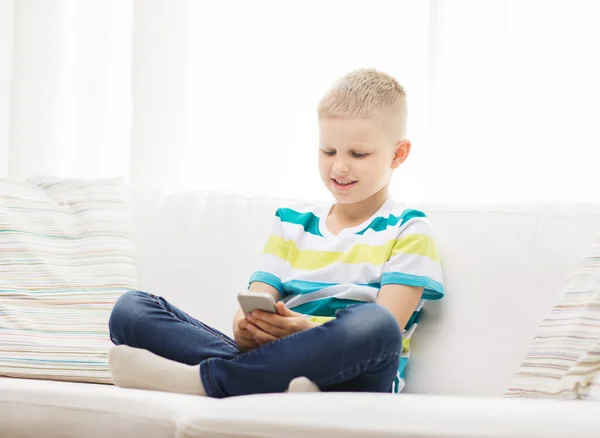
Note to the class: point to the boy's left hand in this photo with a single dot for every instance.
(280, 324)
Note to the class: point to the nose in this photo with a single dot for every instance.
(340, 166)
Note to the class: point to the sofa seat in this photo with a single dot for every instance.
(61, 409)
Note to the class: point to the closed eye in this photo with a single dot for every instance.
(357, 155)
(328, 153)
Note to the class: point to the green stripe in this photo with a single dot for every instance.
(381, 223)
(309, 221)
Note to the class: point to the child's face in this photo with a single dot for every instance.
(356, 158)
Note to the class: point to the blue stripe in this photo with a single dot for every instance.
(309, 221)
(270, 279)
(433, 289)
(325, 306)
(402, 366)
(381, 223)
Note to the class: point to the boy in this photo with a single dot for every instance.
(351, 275)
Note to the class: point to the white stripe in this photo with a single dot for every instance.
(341, 291)
(273, 265)
(417, 225)
(414, 264)
(361, 273)
(401, 384)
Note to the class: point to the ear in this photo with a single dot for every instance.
(401, 153)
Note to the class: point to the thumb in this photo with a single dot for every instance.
(282, 310)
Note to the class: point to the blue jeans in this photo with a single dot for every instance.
(358, 351)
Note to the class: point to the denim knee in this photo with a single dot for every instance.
(128, 309)
(375, 323)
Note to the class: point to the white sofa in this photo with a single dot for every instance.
(503, 266)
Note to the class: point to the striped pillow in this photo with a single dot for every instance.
(66, 255)
(564, 358)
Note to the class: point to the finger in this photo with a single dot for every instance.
(280, 308)
(245, 334)
(266, 327)
(261, 314)
(284, 311)
(286, 325)
(268, 317)
(260, 336)
(247, 344)
(263, 325)
(260, 341)
(246, 341)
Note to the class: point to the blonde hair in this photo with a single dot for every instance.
(367, 93)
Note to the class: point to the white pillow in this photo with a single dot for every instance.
(66, 255)
(564, 356)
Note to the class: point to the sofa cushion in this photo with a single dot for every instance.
(66, 255)
(48, 409)
(564, 356)
(369, 415)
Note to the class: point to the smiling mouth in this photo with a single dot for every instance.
(341, 184)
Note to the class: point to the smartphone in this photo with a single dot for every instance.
(250, 301)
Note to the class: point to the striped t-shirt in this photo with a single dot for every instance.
(318, 273)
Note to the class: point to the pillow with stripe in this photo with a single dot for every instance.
(563, 360)
(66, 255)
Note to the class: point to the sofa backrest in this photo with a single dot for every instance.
(503, 266)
